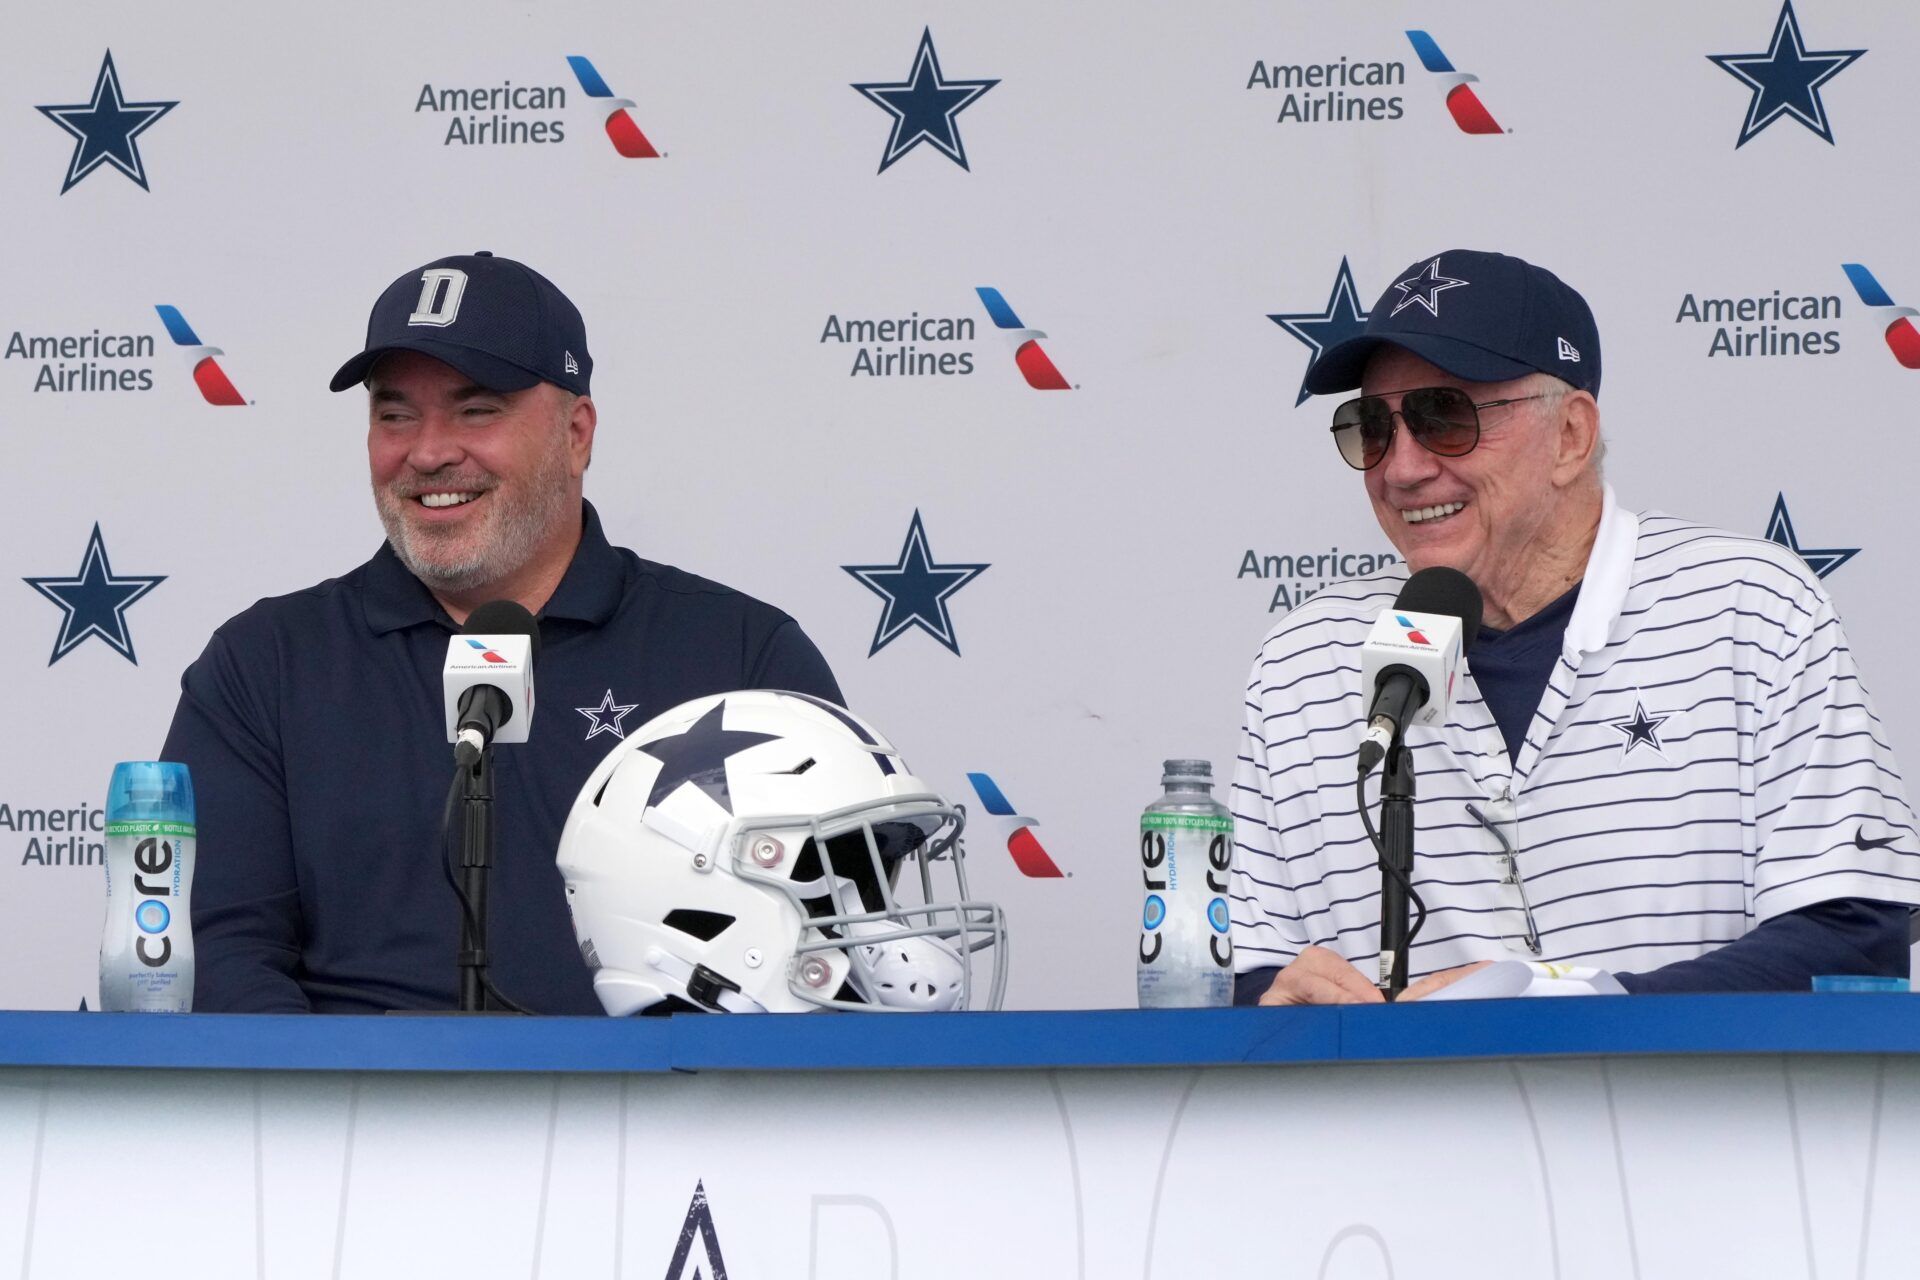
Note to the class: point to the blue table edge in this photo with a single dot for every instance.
(1504, 1029)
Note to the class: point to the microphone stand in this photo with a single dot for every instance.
(476, 860)
(1396, 865)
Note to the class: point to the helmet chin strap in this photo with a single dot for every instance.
(682, 975)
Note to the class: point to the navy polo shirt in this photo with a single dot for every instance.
(314, 729)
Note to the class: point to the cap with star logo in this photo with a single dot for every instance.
(1483, 317)
(498, 321)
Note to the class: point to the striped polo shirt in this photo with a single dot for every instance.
(1704, 758)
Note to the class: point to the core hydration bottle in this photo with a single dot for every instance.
(1186, 849)
(146, 948)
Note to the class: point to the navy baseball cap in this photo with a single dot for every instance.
(1484, 317)
(498, 321)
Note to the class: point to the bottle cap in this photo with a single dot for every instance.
(1189, 771)
(149, 788)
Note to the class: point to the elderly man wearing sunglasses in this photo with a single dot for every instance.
(1661, 761)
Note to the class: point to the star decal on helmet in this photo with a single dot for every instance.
(700, 755)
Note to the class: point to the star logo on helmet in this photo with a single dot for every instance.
(699, 755)
(1425, 287)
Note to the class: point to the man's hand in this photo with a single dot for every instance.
(1445, 978)
(1318, 976)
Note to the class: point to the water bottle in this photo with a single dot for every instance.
(146, 948)
(1186, 849)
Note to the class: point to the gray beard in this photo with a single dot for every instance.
(512, 534)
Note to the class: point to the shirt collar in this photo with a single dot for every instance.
(1603, 590)
(589, 591)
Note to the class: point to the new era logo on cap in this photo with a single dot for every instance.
(1568, 351)
(499, 322)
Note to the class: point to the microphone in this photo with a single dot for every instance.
(1411, 658)
(488, 679)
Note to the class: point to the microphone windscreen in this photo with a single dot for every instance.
(1448, 591)
(506, 618)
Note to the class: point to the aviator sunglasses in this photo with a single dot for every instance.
(1444, 420)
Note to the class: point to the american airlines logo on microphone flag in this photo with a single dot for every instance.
(486, 651)
(1426, 643)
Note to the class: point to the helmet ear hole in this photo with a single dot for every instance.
(704, 925)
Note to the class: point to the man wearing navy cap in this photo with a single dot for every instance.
(1660, 762)
(313, 722)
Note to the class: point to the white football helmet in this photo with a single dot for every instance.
(742, 852)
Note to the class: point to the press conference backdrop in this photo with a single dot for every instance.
(1035, 338)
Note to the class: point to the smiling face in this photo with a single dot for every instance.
(479, 491)
(1504, 509)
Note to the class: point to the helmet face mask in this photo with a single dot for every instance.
(864, 946)
(796, 866)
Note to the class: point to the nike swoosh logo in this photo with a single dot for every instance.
(1860, 840)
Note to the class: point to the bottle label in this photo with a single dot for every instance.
(1185, 859)
(145, 827)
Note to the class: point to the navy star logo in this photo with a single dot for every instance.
(1822, 560)
(1786, 79)
(606, 717)
(915, 589)
(699, 755)
(105, 128)
(95, 602)
(1641, 730)
(923, 107)
(1424, 287)
(1343, 318)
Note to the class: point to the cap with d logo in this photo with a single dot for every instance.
(498, 321)
(1484, 317)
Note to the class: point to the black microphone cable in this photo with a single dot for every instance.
(1386, 869)
(467, 910)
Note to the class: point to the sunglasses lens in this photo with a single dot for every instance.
(1442, 419)
(1363, 429)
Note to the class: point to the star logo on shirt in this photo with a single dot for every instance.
(916, 590)
(105, 128)
(1641, 730)
(923, 107)
(95, 602)
(1786, 79)
(1822, 560)
(699, 755)
(1343, 318)
(606, 717)
(1424, 287)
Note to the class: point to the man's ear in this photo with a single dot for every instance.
(582, 418)
(1577, 437)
